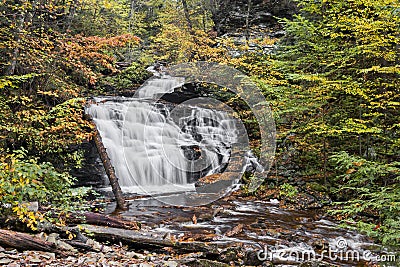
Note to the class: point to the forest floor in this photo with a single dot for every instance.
(115, 256)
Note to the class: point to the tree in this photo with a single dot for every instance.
(46, 65)
(345, 54)
(341, 59)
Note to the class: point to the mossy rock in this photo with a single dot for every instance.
(317, 187)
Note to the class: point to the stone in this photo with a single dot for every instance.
(91, 261)
(52, 238)
(35, 260)
(12, 251)
(13, 256)
(90, 242)
(81, 261)
(49, 255)
(171, 264)
(5, 261)
(106, 249)
(97, 246)
(132, 254)
(66, 246)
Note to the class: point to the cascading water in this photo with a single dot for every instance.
(152, 152)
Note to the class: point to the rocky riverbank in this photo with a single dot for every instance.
(114, 255)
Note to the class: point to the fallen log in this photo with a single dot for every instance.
(80, 246)
(103, 220)
(22, 241)
(109, 169)
(148, 240)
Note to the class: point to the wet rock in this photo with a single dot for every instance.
(191, 152)
(232, 254)
(5, 261)
(251, 258)
(218, 177)
(90, 242)
(92, 172)
(11, 251)
(236, 230)
(277, 34)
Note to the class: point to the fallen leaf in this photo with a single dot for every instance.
(236, 230)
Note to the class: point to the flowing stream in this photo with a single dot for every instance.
(156, 150)
(289, 238)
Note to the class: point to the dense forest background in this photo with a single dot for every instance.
(330, 70)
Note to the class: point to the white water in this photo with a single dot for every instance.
(145, 145)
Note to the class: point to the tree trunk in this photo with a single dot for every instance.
(22, 241)
(187, 15)
(71, 14)
(247, 21)
(148, 240)
(15, 54)
(109, 170)
(102, 219)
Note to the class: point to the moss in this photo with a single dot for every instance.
(317, 187)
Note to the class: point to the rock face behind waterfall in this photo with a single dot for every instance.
(92, 172)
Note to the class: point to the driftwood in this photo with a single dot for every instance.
(104, 220)
(109, 170)
(148, 240)
(22, 241)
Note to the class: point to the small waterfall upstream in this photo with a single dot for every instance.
(153, 150)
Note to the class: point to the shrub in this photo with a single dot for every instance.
(372, 190)
(129, 78)
(23, 181)
(288, 191)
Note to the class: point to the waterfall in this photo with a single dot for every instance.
(150, 151)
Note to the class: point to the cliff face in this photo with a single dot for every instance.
(231, 15)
